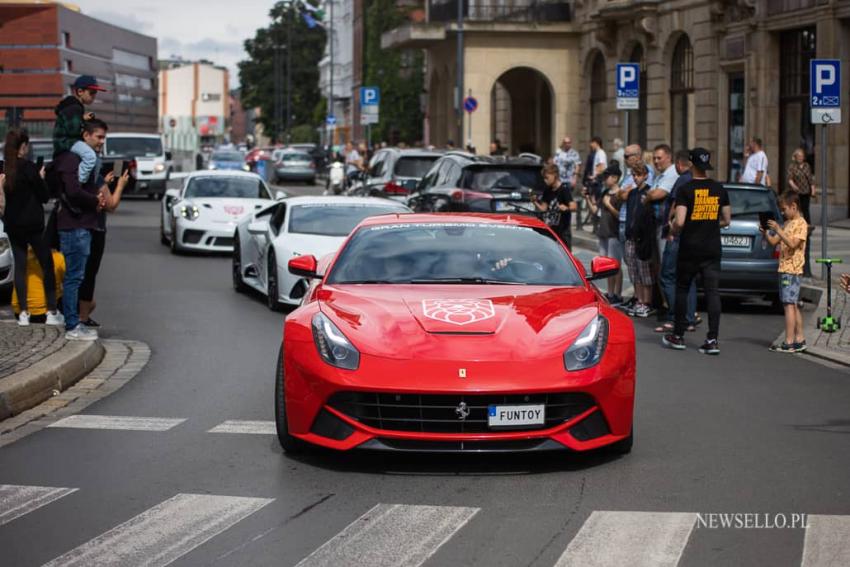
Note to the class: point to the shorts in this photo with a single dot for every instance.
(640, 271)
(789, 289)
(611, 248)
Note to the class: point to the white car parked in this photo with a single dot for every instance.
(268, 239)
(202, 215)
(6, 264)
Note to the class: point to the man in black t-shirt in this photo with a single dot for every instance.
(556, 204)
(702, 209)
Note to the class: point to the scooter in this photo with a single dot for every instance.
(829, 324)
(336, 179)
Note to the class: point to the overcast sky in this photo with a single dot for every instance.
(192, 29)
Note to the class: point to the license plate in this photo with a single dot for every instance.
(736, 241)
(516, 416)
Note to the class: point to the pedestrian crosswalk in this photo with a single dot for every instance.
(394, 535)
(123, 423)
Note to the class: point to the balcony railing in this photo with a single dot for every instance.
(537, 11)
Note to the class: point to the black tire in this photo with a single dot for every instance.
(289, 443)
(236, 266)
(175, 248)
(162, 238)
(271, 284)
(622, 447)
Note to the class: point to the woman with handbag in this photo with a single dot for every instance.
(801, 180)
(26, 193)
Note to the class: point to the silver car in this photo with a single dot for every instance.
(293, 165)
(6, 265)
(749, 263)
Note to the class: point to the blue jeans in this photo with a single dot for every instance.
(667, 281)
(88, 160)
(76, 247)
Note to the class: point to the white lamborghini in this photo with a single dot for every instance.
(265, 241)
(202, 215)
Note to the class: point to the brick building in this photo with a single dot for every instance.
(45, 46)
(715, 73)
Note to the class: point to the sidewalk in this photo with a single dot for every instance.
(36, 363)
(831, 346)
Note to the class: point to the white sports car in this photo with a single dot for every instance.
(268, 239)
(202, 215)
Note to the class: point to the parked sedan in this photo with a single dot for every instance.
(6, 265)
(265, 241)
(395, 173)
(749, 264)
(202, 215)
(293, 165)
(228, 160)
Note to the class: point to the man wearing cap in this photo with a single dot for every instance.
(68, 129)
(702, 209)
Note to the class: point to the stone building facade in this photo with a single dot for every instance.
(714, 73)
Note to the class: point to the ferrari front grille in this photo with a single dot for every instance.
(439, 413)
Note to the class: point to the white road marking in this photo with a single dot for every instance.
(827, 542)
(163, 533)
(391, 535)
(116, 422)
(18, 500)
(637, 539)
(249, 427)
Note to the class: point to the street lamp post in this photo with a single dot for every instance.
(331, 93)
(459, 86)
(288, 75)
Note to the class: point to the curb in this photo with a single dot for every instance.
(41, 381)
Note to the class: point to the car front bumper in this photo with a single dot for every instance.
(313, 389)
(295, 174)
(204, 237)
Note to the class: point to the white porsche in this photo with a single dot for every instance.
(202, 215)
(265, 241)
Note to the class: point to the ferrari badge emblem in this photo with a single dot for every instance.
(458, 311)
(462, 411)
(461, 372)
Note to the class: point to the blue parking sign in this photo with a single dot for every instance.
(628, 86)
(825, 90)
(370, 96)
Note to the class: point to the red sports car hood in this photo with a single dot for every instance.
(452, 322)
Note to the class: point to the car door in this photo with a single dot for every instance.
(253, 250)
(275, 222)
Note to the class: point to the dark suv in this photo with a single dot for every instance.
(464, 182)
(394, 173)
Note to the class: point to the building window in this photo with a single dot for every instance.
(797, 48)
(637, 118)
(68, 66)
(682, 95)
(598, 95)
(133, 82)
(134, 60)
(736, 125)
(66, 39)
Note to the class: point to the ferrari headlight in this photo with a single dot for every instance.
(189, 212)
(4, 244)
(589, 346)
(332, 345)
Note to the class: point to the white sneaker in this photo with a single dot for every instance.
(81, 333)
(55, 318)
(24, 319)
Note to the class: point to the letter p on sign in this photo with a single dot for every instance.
(824, 77)
(627, 75)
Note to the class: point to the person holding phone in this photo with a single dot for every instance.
(26, 192)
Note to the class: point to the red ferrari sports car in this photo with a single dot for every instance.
(454, 333)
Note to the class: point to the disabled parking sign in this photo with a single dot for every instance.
(825, 90)
(628, 86)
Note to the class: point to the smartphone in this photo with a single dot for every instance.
(39, 163)
(125, 166)
(116, 168)
(2, 166)
(764, 217)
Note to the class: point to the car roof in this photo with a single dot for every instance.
(132, 135)
(747, 186)
(413, 152)
(337, 200)
(222, 173)
(471, 218)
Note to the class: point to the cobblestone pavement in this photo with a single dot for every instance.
(21, 347)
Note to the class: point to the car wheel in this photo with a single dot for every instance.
(236, 270)
(162, 238)
(624, 446)
(175, 248)
(271, 284)
(289, 443)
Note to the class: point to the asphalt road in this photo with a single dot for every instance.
(746, 432)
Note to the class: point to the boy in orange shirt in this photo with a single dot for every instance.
(792, 240)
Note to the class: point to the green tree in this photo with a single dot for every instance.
(257, 73)
(399, 73)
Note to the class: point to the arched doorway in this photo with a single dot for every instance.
(637, 118)
(521, 115)
(682, 127)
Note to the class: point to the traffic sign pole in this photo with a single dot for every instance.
(469, 126)
(824, 212)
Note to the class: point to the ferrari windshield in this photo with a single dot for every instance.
(226, 187)
(454, 253)
(334, 219)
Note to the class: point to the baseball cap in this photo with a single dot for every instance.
(87, 82)
(701, 159)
